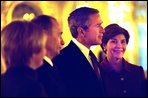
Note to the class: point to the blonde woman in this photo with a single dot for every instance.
(23, 48)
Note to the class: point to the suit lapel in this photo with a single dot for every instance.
(80, 60)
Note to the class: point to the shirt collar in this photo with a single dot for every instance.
(48, 60)
(84, 49)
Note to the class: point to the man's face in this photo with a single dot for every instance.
(94, 33)
(55, 41)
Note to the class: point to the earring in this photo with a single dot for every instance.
(104, 49)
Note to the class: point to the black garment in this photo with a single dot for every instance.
(77, 73)
(128, 82)
(21, 82)
(51, 80)
(95, 64)
(97, 70)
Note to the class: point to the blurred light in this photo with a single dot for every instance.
(142, 27)
(84, 4)
(117, 11)
(28, 16)
(124, 6)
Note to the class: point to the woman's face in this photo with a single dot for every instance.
(116, 47)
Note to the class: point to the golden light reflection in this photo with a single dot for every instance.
(28, 16)
(3, 66)
(82, 4)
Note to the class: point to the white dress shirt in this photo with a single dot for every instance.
(48, 60)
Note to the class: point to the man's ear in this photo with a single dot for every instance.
(80, 31)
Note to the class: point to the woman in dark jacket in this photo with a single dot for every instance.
(23, 48)
(120, 77)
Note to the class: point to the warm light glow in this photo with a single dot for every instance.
(28, 16)
(3, 65)
(82, 4)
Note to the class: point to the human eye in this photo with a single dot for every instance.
(113, 41)
(123, 41)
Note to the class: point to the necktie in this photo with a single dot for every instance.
(95, 64)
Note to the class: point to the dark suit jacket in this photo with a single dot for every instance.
(21, 82)
(77, 72)
(50, 78)
(130, 81)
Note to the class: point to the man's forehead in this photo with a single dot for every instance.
(96, 17)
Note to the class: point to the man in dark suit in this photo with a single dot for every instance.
(74, 63)
(48, 74)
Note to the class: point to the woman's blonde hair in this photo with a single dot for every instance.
(19, 40)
